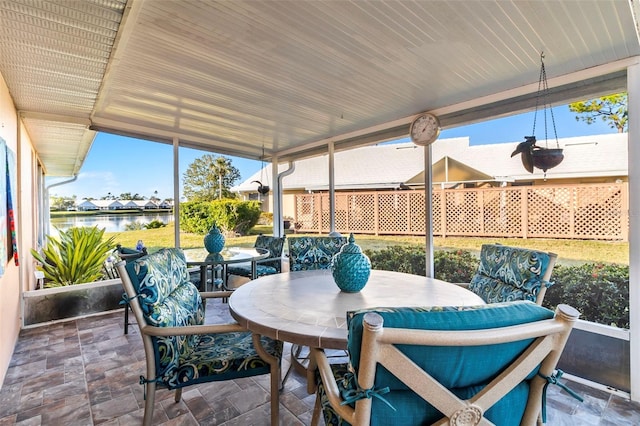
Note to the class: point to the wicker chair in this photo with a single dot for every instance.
(180, 349)
(459, 366)
(510, 273)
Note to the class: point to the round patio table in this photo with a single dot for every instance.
(308, 309)
(227, 256)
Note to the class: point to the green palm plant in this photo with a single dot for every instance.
(76, 256)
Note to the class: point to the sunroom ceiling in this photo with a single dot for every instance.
(285, 78)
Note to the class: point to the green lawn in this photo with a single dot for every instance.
(569, 251)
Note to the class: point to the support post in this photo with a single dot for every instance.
(176, 190)
(428, 213)
(633, 90)
(332, 189)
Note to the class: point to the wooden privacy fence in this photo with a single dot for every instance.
(586, 211)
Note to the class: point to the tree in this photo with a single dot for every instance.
(61, 202)
(129, 196)
(611, 109)
(209, 177)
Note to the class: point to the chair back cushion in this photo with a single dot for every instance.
(275, 245)
(307, 253)
(465, 370)
(509, 273)
(167, 299)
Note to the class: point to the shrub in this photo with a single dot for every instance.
(76, 256)
(155, 224)
(599, 291)
(266, 218)
(232, 216)
(133, 226)
(451, 266)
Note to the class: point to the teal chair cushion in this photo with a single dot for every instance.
(275, 245)
(463, 369)
(244, 270)
(309, 253)
(269, 266)
(168, 299)
(509, 273)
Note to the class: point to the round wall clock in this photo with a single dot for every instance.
(425, 129)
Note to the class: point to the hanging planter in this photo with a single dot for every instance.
(262, 189)
(532, 155)
(547, 158)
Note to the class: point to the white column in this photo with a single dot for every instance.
(176, 191)
(332, 190)
(428, 213)
(633, 89)
(276, 196)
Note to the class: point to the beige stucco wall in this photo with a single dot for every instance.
(10, 283)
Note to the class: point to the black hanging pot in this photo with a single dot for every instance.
(262, 189)
(546, 158)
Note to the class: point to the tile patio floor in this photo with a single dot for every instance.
(85, 372)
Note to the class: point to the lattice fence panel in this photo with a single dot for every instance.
(306, 212)
(362, 213)
(502, 212)
(342, 211)
(550, 212)
(462, 212)
(594, 211)
(599, 212)
(436, 208)
(325, 224)
(393, 213)
(417, 216)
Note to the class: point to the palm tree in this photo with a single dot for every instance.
(221, 169)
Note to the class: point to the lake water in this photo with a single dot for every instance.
(110, 222)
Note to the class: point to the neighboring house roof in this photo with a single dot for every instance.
(87, 203)
(107, 204)
(138, 204)
(389, 165)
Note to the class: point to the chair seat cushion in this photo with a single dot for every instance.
(244, 270)
(495, 291)
(453, 367)
(220, 357)
(410, 409)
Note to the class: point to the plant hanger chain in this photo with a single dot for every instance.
(543, 90)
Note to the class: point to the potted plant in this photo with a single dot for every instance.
(76, 256)
(286, 222)
(73, 265)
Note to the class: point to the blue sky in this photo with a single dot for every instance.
(117, 164)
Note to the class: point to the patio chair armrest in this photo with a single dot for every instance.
(191, 329)
(270, 259)
(465, 285)
(319, 359)
(215, 294)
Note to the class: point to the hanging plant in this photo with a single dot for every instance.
(533, 155)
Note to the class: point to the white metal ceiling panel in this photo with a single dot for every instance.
(236, 76)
